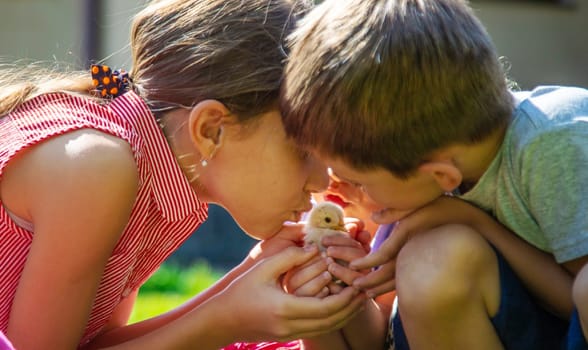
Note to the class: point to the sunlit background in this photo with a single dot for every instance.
(543, 41)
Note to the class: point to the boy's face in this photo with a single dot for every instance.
(355, 203)
(393, 197)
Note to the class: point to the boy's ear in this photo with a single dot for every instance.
(447, 175)
(206, 125)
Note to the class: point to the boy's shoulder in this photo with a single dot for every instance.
(552, 103)
(549, 110)
(550, 122)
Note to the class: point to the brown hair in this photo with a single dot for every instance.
(185, 51)
(228, 50)
(384, 83)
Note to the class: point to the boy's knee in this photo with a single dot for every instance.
(444, 268)
(580, 290)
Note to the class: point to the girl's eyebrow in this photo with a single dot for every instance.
(338, 178)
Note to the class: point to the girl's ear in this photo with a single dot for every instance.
(206, 126)
(445, 173)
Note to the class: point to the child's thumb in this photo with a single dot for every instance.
(287, 259)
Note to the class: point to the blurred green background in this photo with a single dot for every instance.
(172, 285)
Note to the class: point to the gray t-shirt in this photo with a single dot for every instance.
(538, 183)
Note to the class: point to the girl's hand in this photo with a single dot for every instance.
(262, 310)
(316, 278)
(310, 279)
(290, 235)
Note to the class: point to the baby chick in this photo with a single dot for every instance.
(324, 219)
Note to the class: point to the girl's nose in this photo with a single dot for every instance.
(318, 178)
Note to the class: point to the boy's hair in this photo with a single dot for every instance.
(384, 83)
(186, 51)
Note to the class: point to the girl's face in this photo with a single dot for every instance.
(261, 177)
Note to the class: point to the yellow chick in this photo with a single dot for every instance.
(325, 218)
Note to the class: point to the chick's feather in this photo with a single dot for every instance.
(324, 219)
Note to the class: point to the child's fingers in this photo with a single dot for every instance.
(333, 306)
(335, 288)
(374, 259)
(381, 289)
(343, 274)
(365, 239)
(353, 226)
(309, 317)
(345, 253)
(304, 273)
(339, 240)
(315, 287)
(387, 251)
(309, 280)
(383, 275)
(289, 258)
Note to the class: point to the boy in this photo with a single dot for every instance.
(408, 100)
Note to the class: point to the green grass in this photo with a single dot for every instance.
(170, 286)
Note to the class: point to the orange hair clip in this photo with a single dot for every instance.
(109, 83)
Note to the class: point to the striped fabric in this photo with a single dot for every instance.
(165, 213)
(292, 345)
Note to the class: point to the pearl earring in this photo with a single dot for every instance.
(204, 163)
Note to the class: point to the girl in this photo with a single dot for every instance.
(103, 178)
(369, 329)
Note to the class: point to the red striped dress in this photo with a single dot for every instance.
(165, 213)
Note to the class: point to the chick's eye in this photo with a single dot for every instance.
(328, 220)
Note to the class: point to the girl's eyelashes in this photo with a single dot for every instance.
(302, 153)
(338, 179)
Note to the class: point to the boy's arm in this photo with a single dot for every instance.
(549, 282)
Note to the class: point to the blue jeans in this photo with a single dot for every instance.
(520, 322)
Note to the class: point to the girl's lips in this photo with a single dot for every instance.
(336, 199)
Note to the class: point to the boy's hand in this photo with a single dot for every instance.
(444, 210)
(340, 251)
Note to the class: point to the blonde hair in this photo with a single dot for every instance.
(22, 81)
(185, 51)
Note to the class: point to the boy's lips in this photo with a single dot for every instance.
(336, 199)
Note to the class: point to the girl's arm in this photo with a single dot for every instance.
(254, 308)
(118, 332)
(77, 190)
(256, 302)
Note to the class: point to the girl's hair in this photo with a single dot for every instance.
(185, 51)
(384, 83)
(20, 82)
(228, 50)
